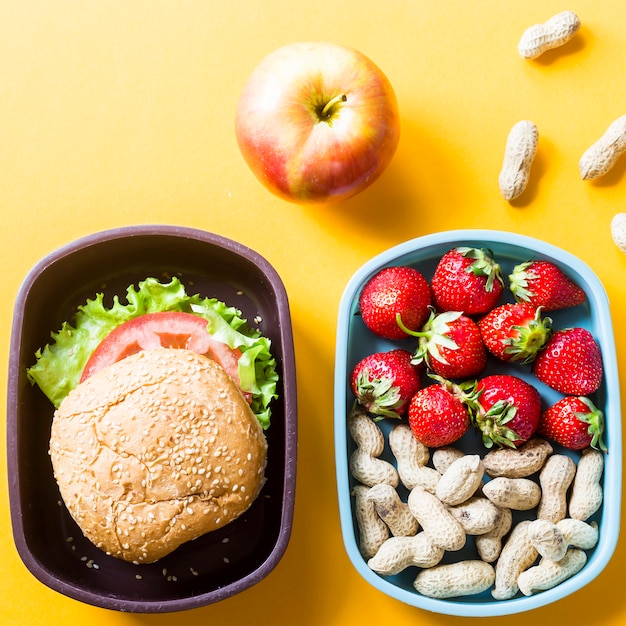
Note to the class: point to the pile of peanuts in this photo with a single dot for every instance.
(527, 510)
(522, 141)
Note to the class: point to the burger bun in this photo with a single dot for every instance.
(156, 450)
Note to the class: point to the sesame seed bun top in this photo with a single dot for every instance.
(156, 450)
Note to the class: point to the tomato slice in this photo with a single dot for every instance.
(167, 329)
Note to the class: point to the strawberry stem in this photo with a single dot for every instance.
(519, 282)
(408, 331)
(483, 265)
(595, 419)
(531, 338)
(379, 395)
(466, 392)
(492, 424)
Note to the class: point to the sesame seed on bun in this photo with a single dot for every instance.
(154, 451)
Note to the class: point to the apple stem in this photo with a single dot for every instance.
(327, 111)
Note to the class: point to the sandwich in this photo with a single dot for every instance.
(158, 433)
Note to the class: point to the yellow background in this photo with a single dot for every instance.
(117, 112)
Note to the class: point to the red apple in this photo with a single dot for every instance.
(317, 122)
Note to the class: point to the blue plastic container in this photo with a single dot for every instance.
(355, 341)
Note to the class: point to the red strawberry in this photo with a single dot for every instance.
(508, 410)
(571, 362)
(544, 284)
(395, 291)
(515, 332)
(438, 414)
(574, 422)
(468, 280)
(451, 345)
(385, 382)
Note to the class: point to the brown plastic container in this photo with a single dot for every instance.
(217, 565)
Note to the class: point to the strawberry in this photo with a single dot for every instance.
(508, 410)
(468, 280)
(385, 382)
(570, 363)
(515, 331)
(394, 292)
(438, 414)
(574, 422)
(544, 284)
(450, 343)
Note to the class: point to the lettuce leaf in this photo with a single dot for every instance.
(59, 364)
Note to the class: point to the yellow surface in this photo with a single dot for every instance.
(117, 112)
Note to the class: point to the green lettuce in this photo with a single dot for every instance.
(59, 364)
